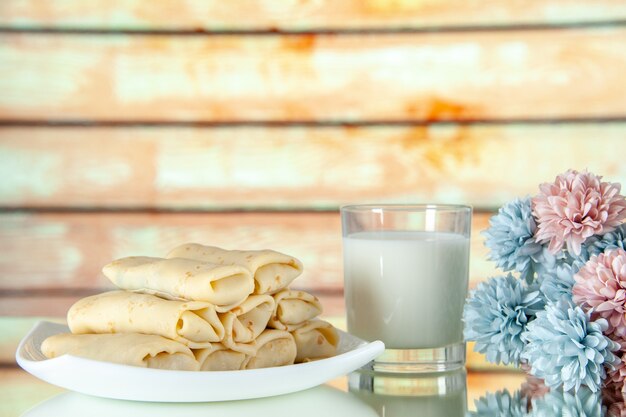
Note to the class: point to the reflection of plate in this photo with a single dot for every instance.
(110, 380)
(314, 402)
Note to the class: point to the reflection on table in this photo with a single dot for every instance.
(370, 395)
(428, 395)
(536, 400)
(315, 402)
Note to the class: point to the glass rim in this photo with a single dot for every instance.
(360, 208)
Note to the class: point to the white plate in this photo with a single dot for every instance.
(110, 380)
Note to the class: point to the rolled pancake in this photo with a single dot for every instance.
(317, 339)
(244, 323)
(147, 351)
(192, 323)
(182, 279)
(293, 309)
(274, 348)
(272, 271)
(219, 358)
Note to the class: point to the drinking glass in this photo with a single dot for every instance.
(406, 274)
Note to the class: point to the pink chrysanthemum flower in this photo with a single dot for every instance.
(613, 398)
(616, 377)
(617, 409)
(600, 287)
(576, 206)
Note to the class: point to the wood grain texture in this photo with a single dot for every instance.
(544, 74)
(307, 15)
(24, 307)
(41, 251)
(295, 167)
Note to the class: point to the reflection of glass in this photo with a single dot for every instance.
(315, 402)
(406, 274)
(426, 395)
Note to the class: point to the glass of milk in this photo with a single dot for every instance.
(406, 274)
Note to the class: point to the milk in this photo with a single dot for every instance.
(406, 288)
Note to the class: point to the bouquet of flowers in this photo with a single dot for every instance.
(560, 312)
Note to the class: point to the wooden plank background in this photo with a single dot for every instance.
(284, 15)
(424, 77)
(129, 127)
(294, 167)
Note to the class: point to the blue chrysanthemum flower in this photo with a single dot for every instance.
(496, 315)
(567, 349)
(510, 238)
(557, 282)
(547, 262)
(500, 404)
(584, 403)
(599, 243)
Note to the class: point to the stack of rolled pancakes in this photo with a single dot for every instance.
(200, 308)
